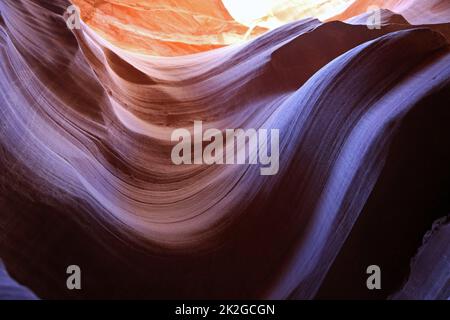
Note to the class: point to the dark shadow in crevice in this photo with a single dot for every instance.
(412, 192)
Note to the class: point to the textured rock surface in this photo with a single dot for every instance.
(87, 179)
(430, 270)
(274, 13)
(167, 28)
(416, 12)
(11, 290)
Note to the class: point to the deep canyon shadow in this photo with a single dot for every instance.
(411, 193)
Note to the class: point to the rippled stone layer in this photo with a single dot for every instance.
(87, 179)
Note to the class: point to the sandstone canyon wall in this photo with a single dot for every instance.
(86, 176)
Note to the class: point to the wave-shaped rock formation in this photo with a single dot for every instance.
(87, 178)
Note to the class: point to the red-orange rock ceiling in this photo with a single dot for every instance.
(166, 28)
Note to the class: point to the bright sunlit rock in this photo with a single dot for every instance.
(274, 13)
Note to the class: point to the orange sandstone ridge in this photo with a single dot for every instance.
(87, 175)
(164, 28)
